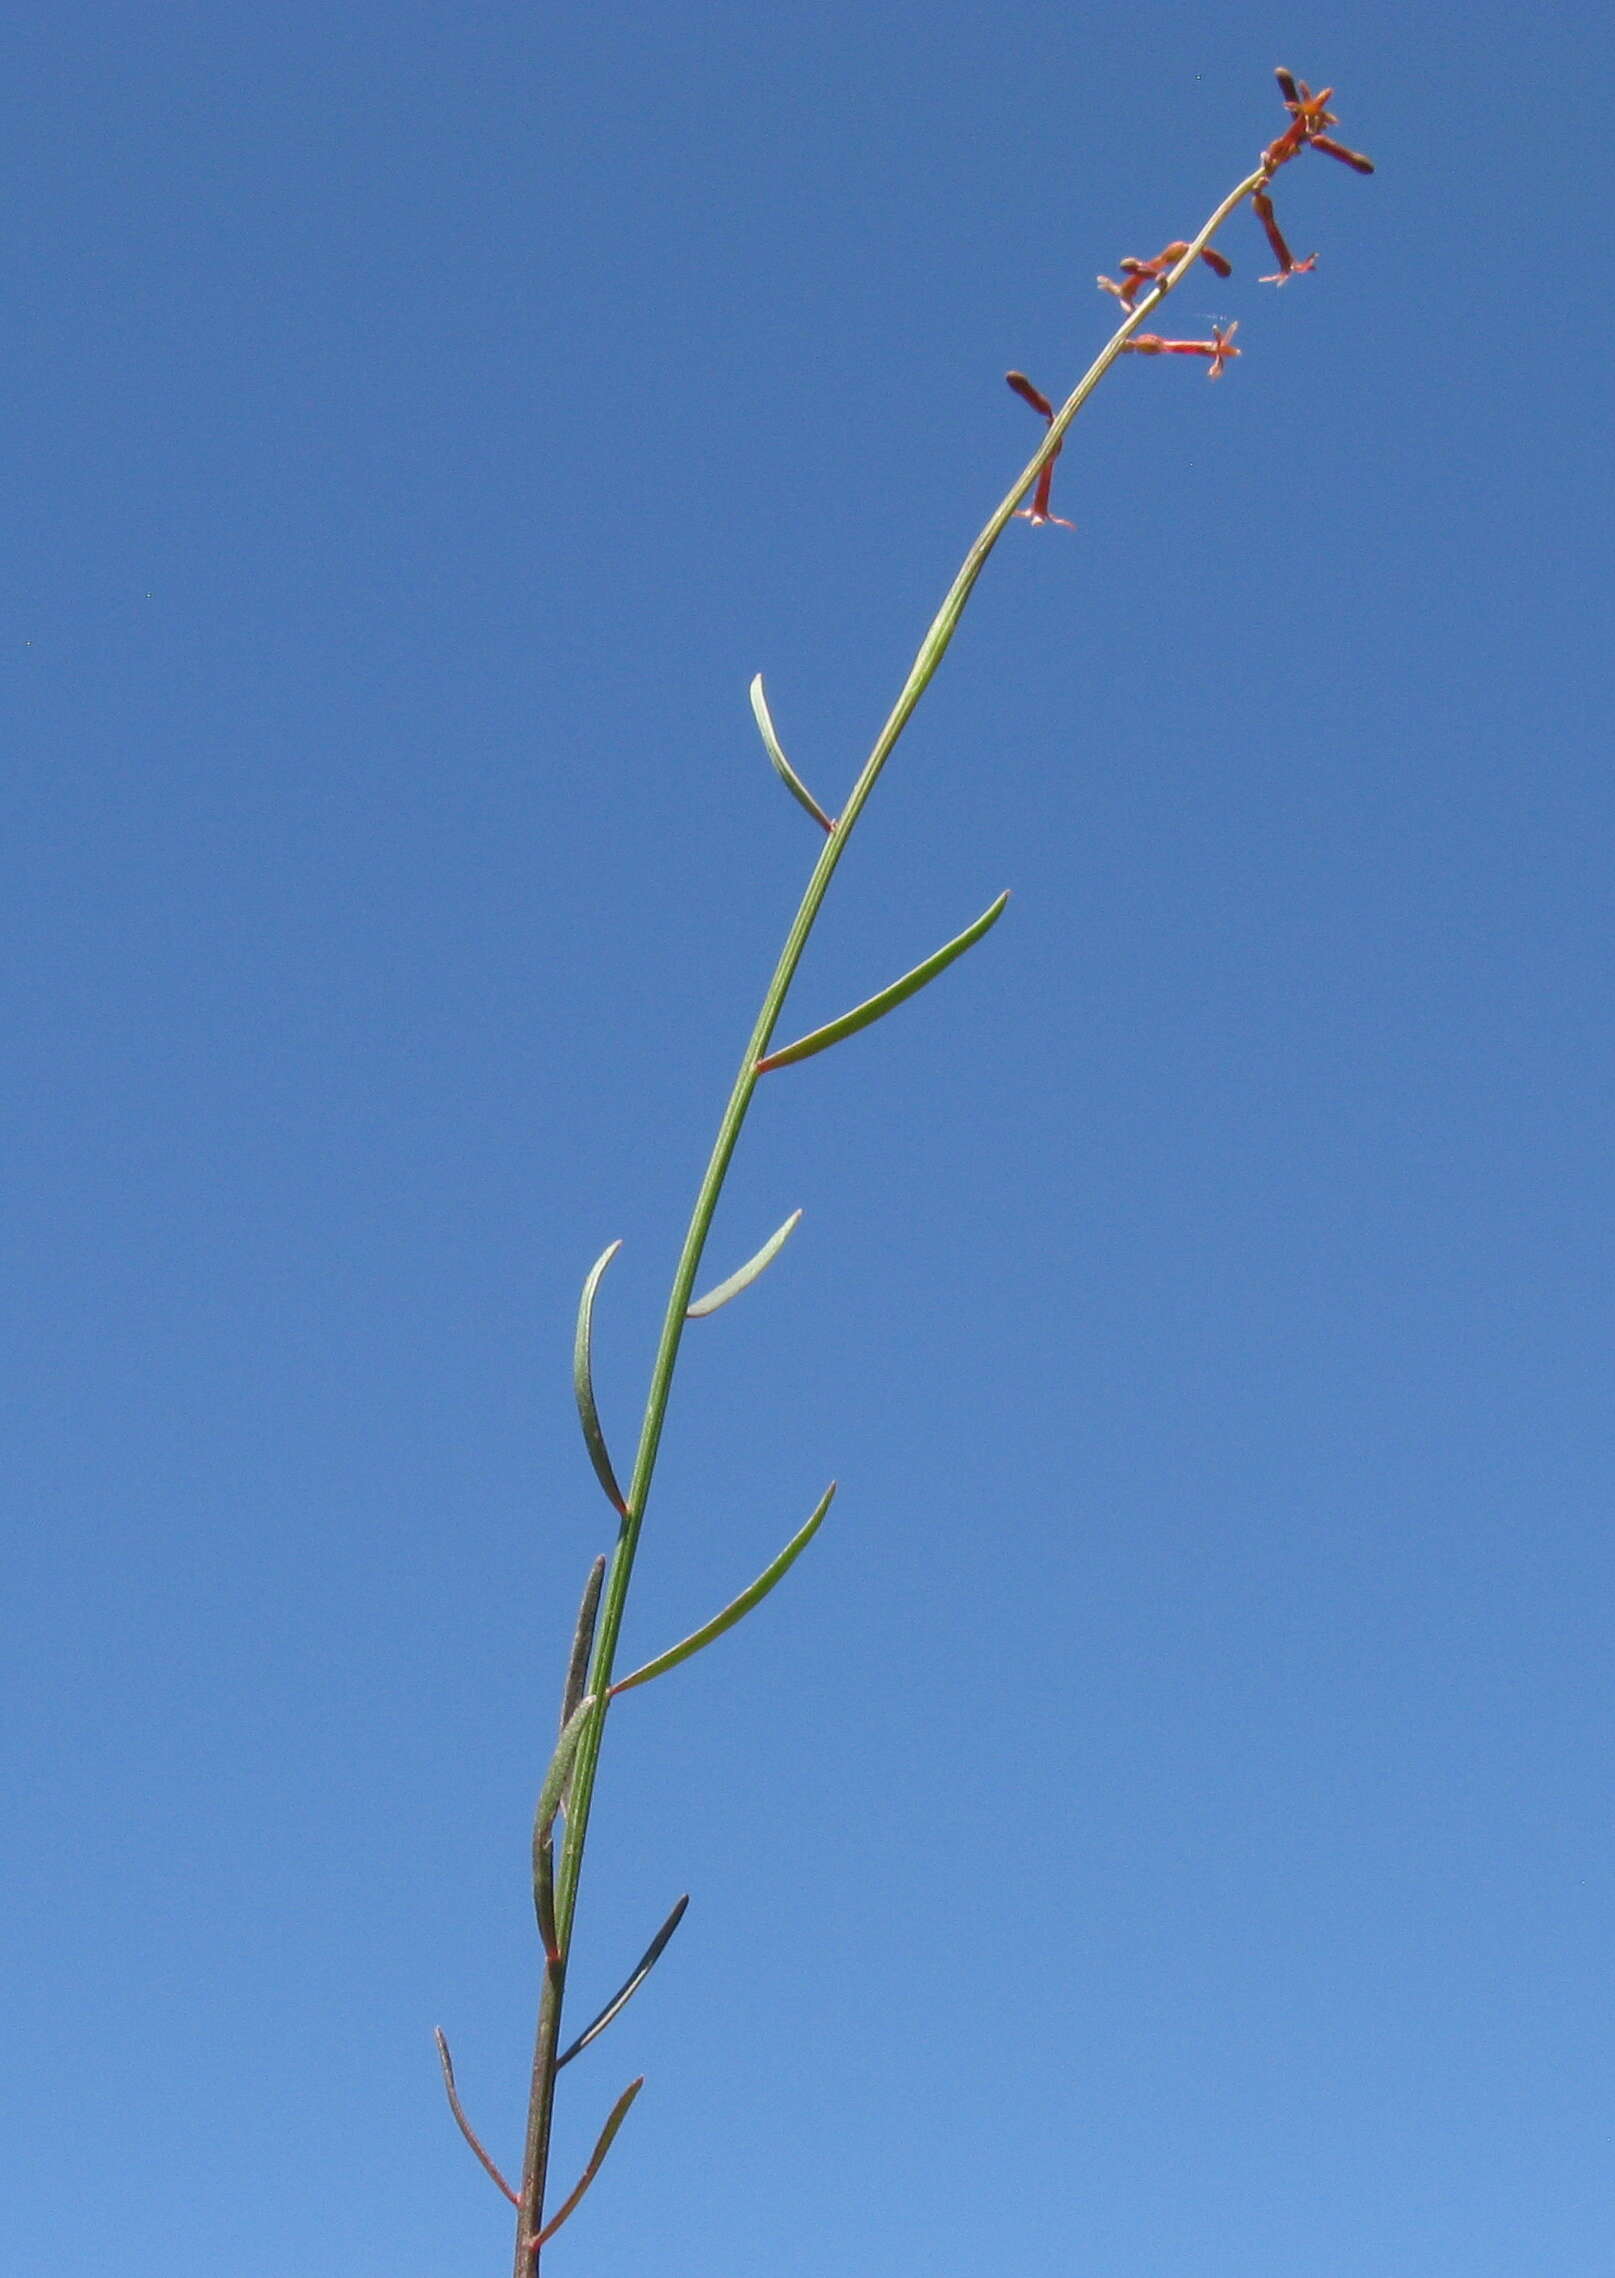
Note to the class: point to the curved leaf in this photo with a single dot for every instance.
(873, 1007)
(637, 1976)
(577, 1668)
(619, 2113)
(782, 766)
(462, 2123)
(736, 1607)
(746, 1274)
(583, 1383)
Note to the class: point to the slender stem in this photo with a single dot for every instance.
(930, 654)
(540, 2114)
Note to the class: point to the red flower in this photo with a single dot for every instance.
(1288, 265)
(1038, 511)
(1220, 347)
(1137, 274)
(1308, 119)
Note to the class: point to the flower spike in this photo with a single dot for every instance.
(567, 1790)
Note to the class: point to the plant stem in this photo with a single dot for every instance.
(540, 2114)
(931, 652)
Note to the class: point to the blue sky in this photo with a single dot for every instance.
(1163, 1825)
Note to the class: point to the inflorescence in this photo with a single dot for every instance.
(1310, 120)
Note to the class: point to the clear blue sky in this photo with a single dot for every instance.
(1162, 1829)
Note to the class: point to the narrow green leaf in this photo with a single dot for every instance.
(636, 1978)
(619, 2113)
(873, 1007)
(583, 1383)
(577, 1668)
(736, 1607)
(782, 766)
(746, 1275)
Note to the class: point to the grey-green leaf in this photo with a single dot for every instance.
(577, 1667)
(746, 1274)
(782, 766)
(555, 1779)
(873, 1007)
(619, 2113)
(736, 1607)
(583, 1382)
(544, 1896)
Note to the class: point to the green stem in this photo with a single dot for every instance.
(931, 652)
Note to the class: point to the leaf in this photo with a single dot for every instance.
(619, 2113)
(583, 1383)
(462, 2123)
(736, 1607)
(782, 766)
(544, 1897)
(637, 1976)
(577, 1668)
(555, 1779)
(873, 1007)
(746, 1275)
